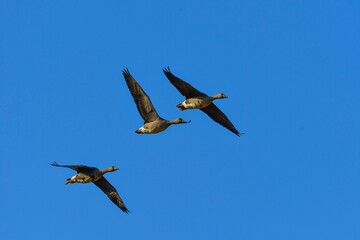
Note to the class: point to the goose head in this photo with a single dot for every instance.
(110, 169)
(220, 95)
(179, 121)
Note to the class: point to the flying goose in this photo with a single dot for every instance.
(198, 100)
(153, 123)
(87, 174)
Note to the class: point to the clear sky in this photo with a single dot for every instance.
(291, 70)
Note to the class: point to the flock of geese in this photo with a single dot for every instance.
(153, 123)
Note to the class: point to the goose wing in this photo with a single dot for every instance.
(142, 100)
(218, 116)
(183, 87)
(77, 168)
(111, 192)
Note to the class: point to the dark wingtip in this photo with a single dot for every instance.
(125, 210)
(55, 164)
(166, 70)
(239, 134)
(126, 72)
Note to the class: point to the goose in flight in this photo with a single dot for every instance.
(87, 174)
(198, 100)
(153, 123)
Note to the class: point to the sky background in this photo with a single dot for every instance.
(290, 69)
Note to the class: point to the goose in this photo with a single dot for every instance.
(87, 174)
(153, 123)
(198, 100)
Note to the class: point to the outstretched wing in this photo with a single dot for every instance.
(218, 116)
(111, 192)
(77, 168)
(142, 100)
(183, 87)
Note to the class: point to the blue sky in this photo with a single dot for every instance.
(290, 69)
